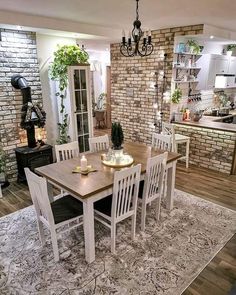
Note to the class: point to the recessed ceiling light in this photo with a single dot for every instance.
(212, 37)
(19, 27)
(107, 49)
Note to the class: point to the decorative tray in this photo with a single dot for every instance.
(125, 161)
(86, 172)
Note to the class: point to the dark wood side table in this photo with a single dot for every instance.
(32, 158)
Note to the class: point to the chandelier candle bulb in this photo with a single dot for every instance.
(123, 37)
(83, 163)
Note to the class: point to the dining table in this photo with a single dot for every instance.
(99, 184)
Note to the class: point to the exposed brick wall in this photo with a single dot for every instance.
(212, 149)
(18, 55)
(136, 112)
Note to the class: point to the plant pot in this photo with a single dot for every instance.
(229, 53)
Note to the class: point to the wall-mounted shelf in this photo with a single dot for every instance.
(186, 68)
(184, 82)
(188, 53)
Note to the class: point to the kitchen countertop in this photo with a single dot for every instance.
(212, 122)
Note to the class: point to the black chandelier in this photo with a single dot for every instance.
(135, 47)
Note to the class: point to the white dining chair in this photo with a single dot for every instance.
(122, 203)
(161, 141)
(65, 211)
(152, 187)
(67, 151)
(99, 143)
(177, 139)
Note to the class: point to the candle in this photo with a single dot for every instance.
(83, 163)
(123, 37)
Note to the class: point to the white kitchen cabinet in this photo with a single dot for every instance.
(232, 65)
(80, 112)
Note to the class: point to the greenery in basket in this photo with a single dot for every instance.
(194, 46)
(117, 136)
(176, 95)
(2, 161)
(231, 47)
(64, 56)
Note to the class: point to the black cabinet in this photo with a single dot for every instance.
(32, 158)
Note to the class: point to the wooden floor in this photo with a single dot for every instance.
(220, 274)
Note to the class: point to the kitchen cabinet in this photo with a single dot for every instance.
(80, 111)
(212, 65)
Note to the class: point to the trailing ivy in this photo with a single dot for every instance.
(64, 56)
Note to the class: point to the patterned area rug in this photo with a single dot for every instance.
(164, 260)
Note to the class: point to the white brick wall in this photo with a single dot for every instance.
(18, 55)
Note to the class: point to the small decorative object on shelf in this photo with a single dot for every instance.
(230, 49)
(176, 95)
(194, 47)
(129, 48)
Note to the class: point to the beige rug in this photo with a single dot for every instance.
(164, 260)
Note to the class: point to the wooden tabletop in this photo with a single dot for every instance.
(95, 182)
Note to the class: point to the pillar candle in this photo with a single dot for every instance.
(83, 163)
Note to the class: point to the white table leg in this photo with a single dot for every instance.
(170, 185)
(88, 218)
(0, 191)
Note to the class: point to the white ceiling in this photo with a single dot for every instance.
(106, 18)
(117, 14)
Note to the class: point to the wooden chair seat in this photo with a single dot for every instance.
(66, 208)
(180, 137)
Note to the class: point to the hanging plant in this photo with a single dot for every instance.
(176, 95)
(64, 56)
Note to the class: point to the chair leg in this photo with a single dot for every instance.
(133, 226)
(113, 238)
(143, 216)
(187, 153)
(41, 232)
(55, 245)
(158, 208)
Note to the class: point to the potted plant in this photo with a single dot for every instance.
(176, 95)
(117, 138)
(194, 47)
(65, 56)
(230, 49)
(2, 166)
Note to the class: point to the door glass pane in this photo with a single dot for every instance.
(79, 124)
(84, 101)
(85, 123)
(83, 79)
(76, 79)
(86, 143)
(78, 100)
(81, 144)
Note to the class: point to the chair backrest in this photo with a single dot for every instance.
(169, 129)
(67, 151)
(162, 141)
(98, 143)
(125, 192)
(154, 177)
(39, 194)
